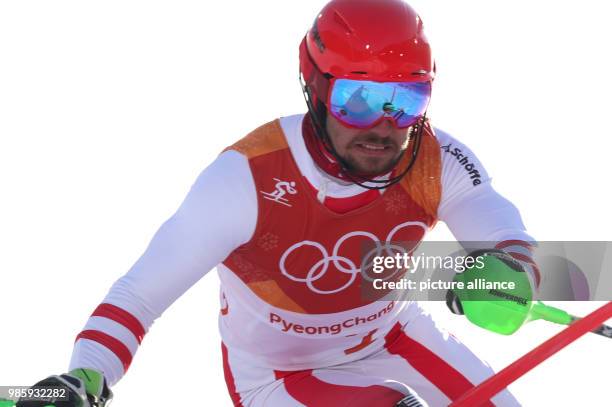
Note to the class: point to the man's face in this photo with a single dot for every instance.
(371, 151)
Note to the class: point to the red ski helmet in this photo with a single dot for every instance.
(374, 40)
(368, 40)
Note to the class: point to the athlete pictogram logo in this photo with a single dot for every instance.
(281, 189)
(342, 263)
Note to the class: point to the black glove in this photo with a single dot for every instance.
(81, 388)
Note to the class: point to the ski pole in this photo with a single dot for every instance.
(496, 383)
(558, 316)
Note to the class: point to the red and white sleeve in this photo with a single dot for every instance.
(218, 215)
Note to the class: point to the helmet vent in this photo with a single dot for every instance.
(360, 72)
(317, 37)
(420, 72)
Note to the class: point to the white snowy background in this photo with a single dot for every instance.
(109, 110)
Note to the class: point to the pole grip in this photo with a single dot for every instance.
(550, 314)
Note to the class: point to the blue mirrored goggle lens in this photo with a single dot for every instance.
(363, 103)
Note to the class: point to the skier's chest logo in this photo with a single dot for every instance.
(310, 265)
(282, 188)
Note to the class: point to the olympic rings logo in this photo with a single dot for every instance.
(342, 263)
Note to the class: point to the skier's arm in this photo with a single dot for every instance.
(218, 215)
(474, 211)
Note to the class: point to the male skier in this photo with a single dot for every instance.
(283, 214)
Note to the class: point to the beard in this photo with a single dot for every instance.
(370, 166)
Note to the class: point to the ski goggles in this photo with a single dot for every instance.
(363, 104)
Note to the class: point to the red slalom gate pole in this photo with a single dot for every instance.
(496, 383)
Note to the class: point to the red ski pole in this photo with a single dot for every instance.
(496, 383)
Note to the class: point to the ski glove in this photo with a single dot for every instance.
(84, 388)
(500, 310)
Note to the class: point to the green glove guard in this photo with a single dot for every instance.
(502, 311)
(505, 310)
